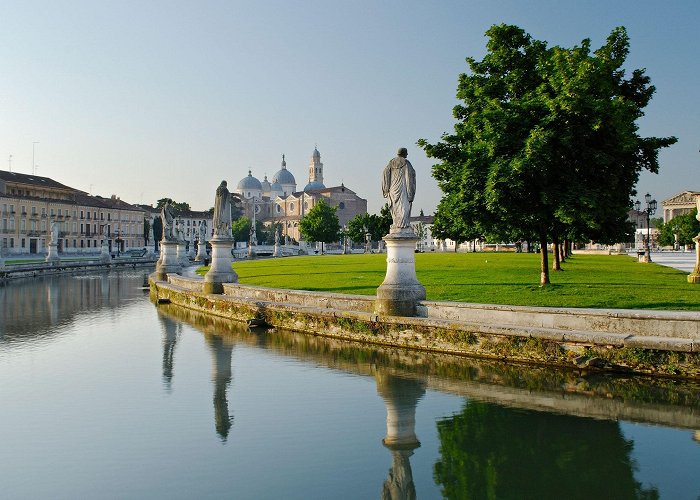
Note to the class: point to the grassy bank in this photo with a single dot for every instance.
(597, 281)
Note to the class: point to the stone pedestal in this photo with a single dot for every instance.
(276, 252)
(220, 270)
(201, 252)
(52, 256)
(104, 252)
(694, 277)
(168, 262)
(400, 291)
(182, 254)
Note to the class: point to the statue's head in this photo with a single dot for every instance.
(403, 152)
(223, 183)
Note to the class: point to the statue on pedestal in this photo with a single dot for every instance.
(399, 185)
(222, 212)
(166, 216)
(54, 233)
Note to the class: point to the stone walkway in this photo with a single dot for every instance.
(685, 261)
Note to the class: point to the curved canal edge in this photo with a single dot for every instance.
(661, 343)
(35, 269)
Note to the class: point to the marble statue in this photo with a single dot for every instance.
(277, 237)
(202, 233)
(222, 212)
(399, 185)
(54, 233)
(166, 216)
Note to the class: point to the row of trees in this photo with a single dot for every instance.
(546, 146)
(686, 226)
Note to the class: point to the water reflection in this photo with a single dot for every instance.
(401, 396)
(490, 451)
(31, 308)
(524, 432)
(221, 353)
(171, 335)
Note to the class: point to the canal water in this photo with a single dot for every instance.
(103, 394)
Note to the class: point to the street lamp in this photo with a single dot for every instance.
(117, 240)
(650, 210)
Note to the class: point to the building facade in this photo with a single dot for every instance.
(29, 204)
(680, 204)
(278, 201)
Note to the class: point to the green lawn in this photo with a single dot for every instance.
(490, 278)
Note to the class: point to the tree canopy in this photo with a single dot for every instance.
(177, 208)
(320, 224)
(546, 144)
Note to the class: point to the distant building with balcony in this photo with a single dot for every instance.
(29, 203)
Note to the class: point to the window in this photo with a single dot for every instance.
(43, 211)
(60, 212)
(23, 225)
(23, 243)
(12, 243)
(52, 212)
(82, 214)
(291, 207)
(33, 210)
(278, 208)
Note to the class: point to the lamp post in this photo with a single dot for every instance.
(117, 241)
(650, 210)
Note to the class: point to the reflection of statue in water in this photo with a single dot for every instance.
(222, 212)
(399, 185)
(221, 350)
(401, 396)
(166, 216)
(170, 338)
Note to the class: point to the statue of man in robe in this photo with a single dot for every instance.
(166, 216)
(399, 185)
(222, 212)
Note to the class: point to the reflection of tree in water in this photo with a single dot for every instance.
(496, 452)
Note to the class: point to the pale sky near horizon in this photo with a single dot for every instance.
(157, 99)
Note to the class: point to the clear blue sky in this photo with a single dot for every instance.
(154, 99)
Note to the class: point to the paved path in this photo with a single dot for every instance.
(685, 261)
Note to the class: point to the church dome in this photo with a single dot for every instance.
(313, 186)
(283, 176)
(276, 189)
(249, 182)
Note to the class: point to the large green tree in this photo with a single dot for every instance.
(545, 146)
(320, 224)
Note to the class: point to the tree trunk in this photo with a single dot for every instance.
(556, 265)
(562, 251)
(544, 259)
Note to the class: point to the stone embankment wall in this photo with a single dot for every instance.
(654, 342)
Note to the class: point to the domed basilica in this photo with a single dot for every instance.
(277, 201)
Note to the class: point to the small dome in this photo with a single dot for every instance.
(276, 188)
(266, 187)
(249, 182)
(314, 185)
